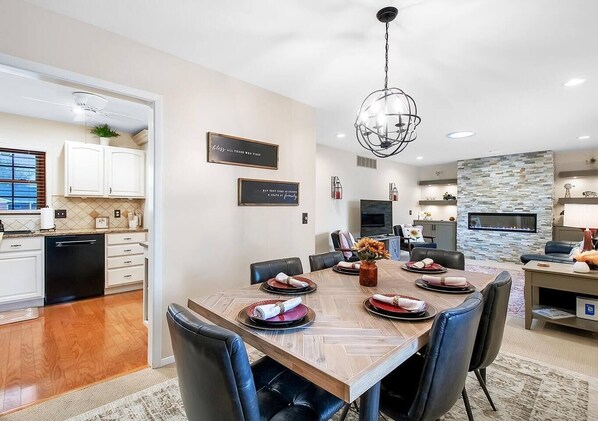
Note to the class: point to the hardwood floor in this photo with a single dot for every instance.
(69, 346)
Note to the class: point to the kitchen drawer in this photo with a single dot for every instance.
(125, 276)
(123, 250)
(125, 261)
(21, 244)
(125, 238)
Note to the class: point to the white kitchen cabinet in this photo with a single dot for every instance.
(21, 272)
(125, 172)
(105, 171)
(124, 261)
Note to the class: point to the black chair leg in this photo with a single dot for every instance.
(467, 406)
(345, 411)
(482, 381)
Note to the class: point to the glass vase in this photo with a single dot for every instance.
(368, 274)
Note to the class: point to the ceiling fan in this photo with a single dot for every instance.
(86, 105)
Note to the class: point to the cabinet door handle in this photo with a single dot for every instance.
(127, 276)
(16, 245)
(127, 251)
(70, 189)
(128, 262)
(110, 190)
(127, 238)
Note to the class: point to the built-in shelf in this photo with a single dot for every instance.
(444, 182)
(579, 173)
(575, 322)
(578, 200)
(438, 202)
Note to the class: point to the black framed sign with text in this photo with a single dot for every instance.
(231, 150)
(268, 193)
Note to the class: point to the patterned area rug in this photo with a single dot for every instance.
(516, 301)
(522, 391)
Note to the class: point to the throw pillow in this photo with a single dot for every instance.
(345, 240)
(415, 235)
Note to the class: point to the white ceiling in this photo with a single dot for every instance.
(494, 67)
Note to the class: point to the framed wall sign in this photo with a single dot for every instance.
(268, 193)
(231, 150)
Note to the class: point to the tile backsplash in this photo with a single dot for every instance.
(81, 213)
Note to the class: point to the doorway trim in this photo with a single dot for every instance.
(34, 70)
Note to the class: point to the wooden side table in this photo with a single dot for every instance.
(557, 276)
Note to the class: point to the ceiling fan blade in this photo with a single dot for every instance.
(48, 102)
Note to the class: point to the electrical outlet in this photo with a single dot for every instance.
(59, 213)
(304, 218)
(410, 212)
(117, 213)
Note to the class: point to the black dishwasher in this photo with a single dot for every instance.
(74, 267)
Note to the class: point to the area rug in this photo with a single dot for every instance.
(516, 300)
(13, 316)
(523, 390)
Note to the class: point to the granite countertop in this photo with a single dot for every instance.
(74, 232)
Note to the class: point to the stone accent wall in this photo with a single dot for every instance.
(511, 183)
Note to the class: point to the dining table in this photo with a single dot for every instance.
(346, 350)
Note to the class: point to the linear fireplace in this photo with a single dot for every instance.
(517, 222)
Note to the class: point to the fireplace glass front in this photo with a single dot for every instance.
(518, 222)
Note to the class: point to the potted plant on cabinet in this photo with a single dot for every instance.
(105, 133)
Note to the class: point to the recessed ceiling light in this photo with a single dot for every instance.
(574, 82)
(584, 137)
(341, 135)
(419, 157)
(460, 135)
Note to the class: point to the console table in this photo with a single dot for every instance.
(557, 276)
(392, 244)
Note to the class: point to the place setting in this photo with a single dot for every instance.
(283, 284)
(399, 307)
(277, 314)
(426, 265)
(445, 284)
(347, 268)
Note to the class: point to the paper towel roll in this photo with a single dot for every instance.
(47, 218)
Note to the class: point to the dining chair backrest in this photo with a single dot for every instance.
(324, 260)
(447, 258)
(452, 338)
(262, 271)
(492, 324)
(215, 377)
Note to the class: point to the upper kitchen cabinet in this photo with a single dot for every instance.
(105, 171)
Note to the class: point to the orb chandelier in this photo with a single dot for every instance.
(387, 119)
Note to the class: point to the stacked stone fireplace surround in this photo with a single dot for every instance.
(520, 183)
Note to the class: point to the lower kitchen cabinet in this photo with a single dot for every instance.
(21, 272)
(444, 233)
(124, 261)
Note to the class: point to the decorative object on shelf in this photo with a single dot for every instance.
(568, 188)
(387, 118)
(267, 193)
(452, 219)
(589, 193)
(336, 188)
(232, 150)
(427, 215)
(591, 161)
(369, 251)
(584, 217)
(105, 133)
(448, 196)
(393, 193)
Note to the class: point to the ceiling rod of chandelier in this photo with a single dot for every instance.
(387, 119)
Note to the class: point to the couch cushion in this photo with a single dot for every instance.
(553, 257)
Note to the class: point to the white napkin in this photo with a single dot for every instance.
(289, 280)
(406, 303)
(349, 265)
(268, 311)
(454, 281)
(423, 263)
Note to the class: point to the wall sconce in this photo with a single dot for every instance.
(393, 193)
(336, 189)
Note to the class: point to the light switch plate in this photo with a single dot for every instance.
(304, 218)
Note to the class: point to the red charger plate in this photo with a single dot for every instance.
(291, 316)
(389, 308)
(274, 284)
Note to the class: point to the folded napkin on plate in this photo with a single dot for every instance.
(423, 263)
(453, 281)
(268, 311)
(289, 280)
(349, 265)
(406, 303)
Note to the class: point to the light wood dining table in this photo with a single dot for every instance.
(346, 350)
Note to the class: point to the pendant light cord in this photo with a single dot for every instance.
(386, 57)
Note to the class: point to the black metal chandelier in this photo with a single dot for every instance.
(388, 117)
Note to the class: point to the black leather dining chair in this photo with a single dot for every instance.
(324, 260)
(262, 271)
(218, 383)
(490, 332)
(336, 243)
(426, 386)
(447, 258)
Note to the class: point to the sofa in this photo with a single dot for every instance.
(554, 251)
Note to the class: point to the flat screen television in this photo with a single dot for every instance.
(376, 217)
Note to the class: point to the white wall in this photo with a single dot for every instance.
(208, 240)
(358, 183)
(22, 132)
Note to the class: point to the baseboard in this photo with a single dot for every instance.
(166, 361)
(37, 302)
(123, 288)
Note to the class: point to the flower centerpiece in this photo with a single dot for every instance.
(369, 251)
(427, 215)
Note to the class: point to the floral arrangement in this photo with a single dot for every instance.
(369, 250)
(427, 214)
